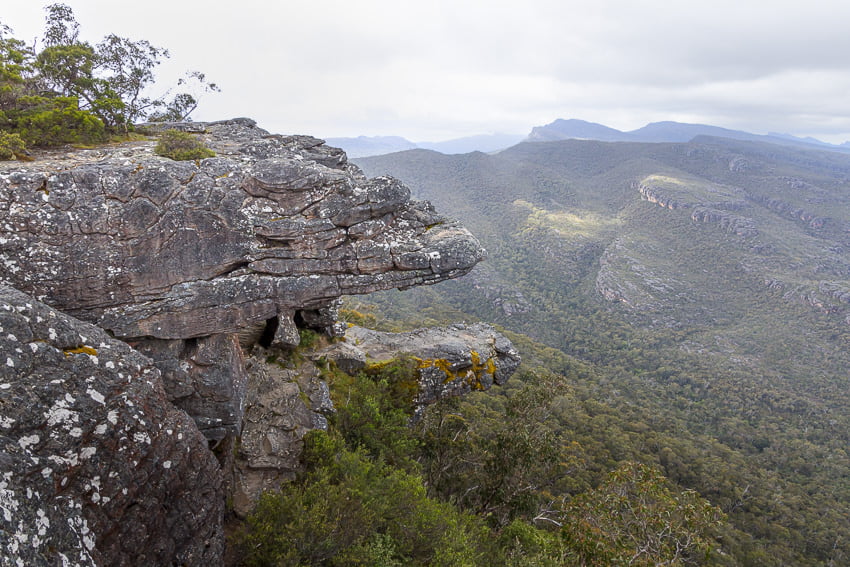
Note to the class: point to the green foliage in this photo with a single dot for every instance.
(349, 509)
(525, 545)
(374, 410)
(636, 518)
(10, 145)
(307, 338)
(181, 146)
(42, 121)
(733, 388)
(478, 481)
(355, 317)
(73, 92)
(498, 460)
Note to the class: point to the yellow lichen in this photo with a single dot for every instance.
(83, 349)
(472, 375)
(373, 367)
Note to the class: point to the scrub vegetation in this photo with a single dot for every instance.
(486, 481)
(64, 90)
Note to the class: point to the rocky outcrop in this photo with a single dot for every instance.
(705, 201)
(105, 457)
(788, 210)
(180, 258)
(659, 197)
(285, 401)
(728, 222)
(97, 467)
(451, 360)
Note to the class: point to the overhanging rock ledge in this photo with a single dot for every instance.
(182, 260)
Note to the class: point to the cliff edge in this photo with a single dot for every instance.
(133, 290)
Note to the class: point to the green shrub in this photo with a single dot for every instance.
(10, 145)
(308, 338)
(50, 121)
(181, 146)
(348, 509)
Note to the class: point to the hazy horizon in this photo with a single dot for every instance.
(444, 70)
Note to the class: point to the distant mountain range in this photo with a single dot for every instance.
(705, 285)
(365, 146)
(572, 129)
(664, 132)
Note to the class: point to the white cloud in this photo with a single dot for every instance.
(441, 69)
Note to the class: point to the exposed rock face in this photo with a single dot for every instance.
(189, 264)
(97, 467)
(276, 419)
(178, 258)
(452, 360)
(729, 222)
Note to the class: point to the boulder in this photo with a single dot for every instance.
(97, 467)
(452, 360)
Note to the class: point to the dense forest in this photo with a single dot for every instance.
(715, 350)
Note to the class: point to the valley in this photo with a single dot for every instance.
(695, 296)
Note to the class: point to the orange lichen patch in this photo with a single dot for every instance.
(80, 350)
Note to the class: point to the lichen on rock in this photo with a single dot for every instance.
(133, 291)
(168, 255)
(97, 467)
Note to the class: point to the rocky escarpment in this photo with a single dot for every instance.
(137, 288)
(709, 203)
(178, 258)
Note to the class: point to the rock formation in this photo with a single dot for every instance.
(96, 466)
(452, 360)
(177, 258)
(190, 265)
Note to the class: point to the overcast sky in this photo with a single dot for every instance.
(437, 69)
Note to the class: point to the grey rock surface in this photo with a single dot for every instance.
(271, 231)
(285, 401)
(452, 360)
(132, 287)
(97, 467)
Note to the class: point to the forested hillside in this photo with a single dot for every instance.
(695, 296)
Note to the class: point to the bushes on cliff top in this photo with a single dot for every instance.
(10, 145)
(71, 91)
(181, 146)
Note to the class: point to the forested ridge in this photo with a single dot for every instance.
(718, 356)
